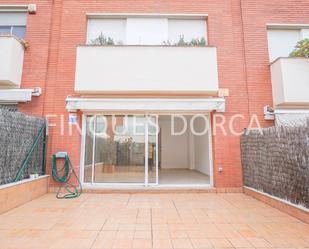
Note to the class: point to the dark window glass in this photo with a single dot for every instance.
(5, 30)
(19, 31)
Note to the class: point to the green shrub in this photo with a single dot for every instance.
(301, 49)
(181, 42)
(102, 40)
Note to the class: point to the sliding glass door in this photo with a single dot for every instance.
(120, 149)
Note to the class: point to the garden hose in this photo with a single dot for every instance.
(63, 176)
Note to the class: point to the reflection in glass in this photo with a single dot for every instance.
(19, 31)
(88, 148)
(5, 30)
(120, 149)
(152, 135)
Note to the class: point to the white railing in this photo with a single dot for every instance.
(11, 62)
(146, 69)
(290, 82)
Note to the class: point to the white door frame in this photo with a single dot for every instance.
(146, 183)
(146, 152)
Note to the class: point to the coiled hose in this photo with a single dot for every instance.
(63, 176)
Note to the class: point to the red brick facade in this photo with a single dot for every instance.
(237, 28)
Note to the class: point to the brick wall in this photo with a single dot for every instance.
(237, 28)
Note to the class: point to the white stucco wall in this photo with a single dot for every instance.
(126, 69)
(290, 82)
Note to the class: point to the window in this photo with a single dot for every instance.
(113, 28)
(146, 30)
(18, 31)
(13, 23)
(281, 42)
(188, 29)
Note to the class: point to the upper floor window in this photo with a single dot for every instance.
(282, 41)
(147, 30)
(13, 23)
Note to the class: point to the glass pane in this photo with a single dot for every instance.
(5, 30)
(152, 138)
(188, 29)
(120, 149)
(88, 148)
(19, 31)
(113, 28)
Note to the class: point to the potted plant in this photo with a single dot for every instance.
(102, 40)
(301, 49)
(182, 42)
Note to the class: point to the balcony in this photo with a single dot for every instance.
(290, 82)
(11, 62)
(146, 69)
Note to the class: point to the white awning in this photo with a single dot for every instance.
(145, 104)
(13, 96)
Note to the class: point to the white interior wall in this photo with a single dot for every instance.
(174, 149)
(201, 147)
(187, 151)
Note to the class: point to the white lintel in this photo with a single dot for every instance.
(150, 15)
(11, 96)
(154, 105)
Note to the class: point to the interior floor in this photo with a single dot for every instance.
(182, 176)
(136, 174)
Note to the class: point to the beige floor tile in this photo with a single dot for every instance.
(103, 243)
(162, 244)
(181, 244)
(142, 243)
(247, 233)
(143, 227)
(259, 242)
(164, 234)
(122, 243)
(162, 221)
(178, 234)
(197, 234)
(124, 235)
(72, 244)
(239, 242)
(142, 235)
(201, 243)
(220, 243)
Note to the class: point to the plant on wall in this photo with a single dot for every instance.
(102, 40)
(182, 42)
(167, 43)
(198, 42)
(301, 49)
